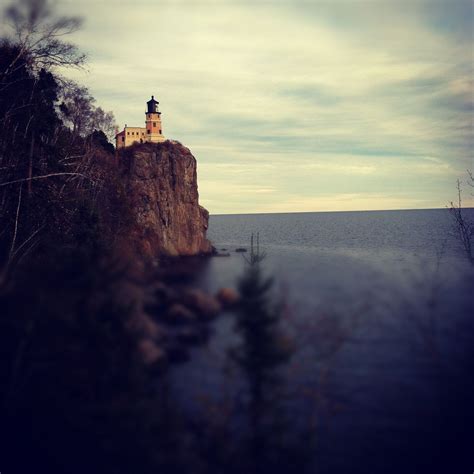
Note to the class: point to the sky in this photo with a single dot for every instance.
(293, 106)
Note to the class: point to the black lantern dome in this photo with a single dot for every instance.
(152, 106)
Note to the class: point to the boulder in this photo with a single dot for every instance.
(222, 254)
(146, 328)
(180, 314)
(151, 354)
(228, 297)
(205, 305)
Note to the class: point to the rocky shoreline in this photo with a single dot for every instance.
(171, 318)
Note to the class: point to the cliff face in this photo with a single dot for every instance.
(163, 199)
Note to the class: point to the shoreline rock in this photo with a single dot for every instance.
(180, 314)
(205, 305)
(228, 297)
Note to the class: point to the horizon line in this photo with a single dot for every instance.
(327, 212)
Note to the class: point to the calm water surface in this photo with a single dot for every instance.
(380, 308)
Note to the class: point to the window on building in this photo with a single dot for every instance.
(154, 124)
(123, 139)
(160, 132)
(128, 133)
(148, 131)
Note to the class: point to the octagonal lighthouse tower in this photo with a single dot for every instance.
(154, 132)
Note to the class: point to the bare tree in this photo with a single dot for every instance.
(32, 45)
(105, 122)
(463, 226)
(77, 108)
(39, 33)
(80, 114)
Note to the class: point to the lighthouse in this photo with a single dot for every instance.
(152, 132)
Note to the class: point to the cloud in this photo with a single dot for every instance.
(347, 202)
(294, 103)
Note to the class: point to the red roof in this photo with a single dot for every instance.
(120, 134)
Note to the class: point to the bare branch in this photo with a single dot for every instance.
(39, 33)
(46, 176)
(12, 248)
(464, 228)
(26, 242)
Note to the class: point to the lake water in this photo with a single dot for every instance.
(379, 306)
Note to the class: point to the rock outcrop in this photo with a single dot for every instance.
(166, 218)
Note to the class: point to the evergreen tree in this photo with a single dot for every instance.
(262, 352)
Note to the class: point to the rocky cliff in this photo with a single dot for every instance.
(161, 183)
